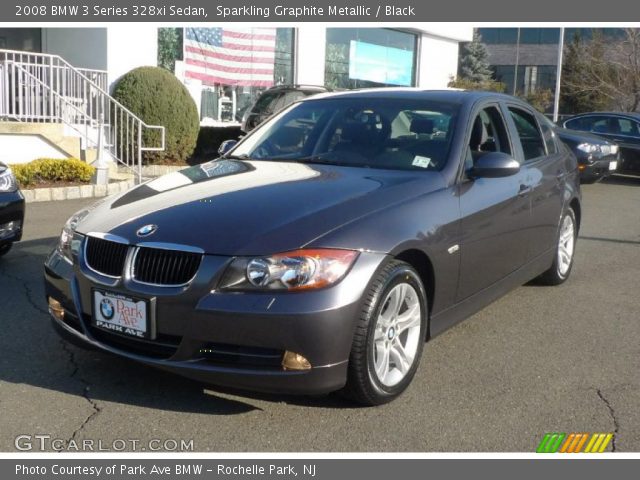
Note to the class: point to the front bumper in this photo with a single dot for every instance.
(593, 168)
(228, 339)
(12, 209)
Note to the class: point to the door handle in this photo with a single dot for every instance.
(524, 190)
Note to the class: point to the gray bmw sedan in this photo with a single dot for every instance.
(321, 251)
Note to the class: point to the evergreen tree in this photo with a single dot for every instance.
(474, 61)
(169, 47)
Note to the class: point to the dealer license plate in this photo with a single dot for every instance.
(121, 314)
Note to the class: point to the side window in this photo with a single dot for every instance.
(627, 127)
(488, 134)
(599, 125)
(549, 138)
(532, 142)
(575, 124)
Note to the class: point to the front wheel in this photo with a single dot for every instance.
(565, 249)
(389, 337)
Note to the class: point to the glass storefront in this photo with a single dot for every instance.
(369, 57)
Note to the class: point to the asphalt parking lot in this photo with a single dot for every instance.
(542, 359)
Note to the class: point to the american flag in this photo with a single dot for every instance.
(230, 56)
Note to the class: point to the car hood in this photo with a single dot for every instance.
(230, 207)
(577, 136)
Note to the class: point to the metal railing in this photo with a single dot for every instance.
(36, 87)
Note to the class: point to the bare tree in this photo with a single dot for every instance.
(602, 73)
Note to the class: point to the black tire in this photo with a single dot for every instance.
(590, 180)
(4, 248)
(363, 385)
(554, 276)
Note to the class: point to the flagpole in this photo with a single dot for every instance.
(556, 100)
(184, 37)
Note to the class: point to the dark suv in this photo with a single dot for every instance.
(274, 99)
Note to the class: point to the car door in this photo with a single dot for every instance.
(544, 173)
(495, 212)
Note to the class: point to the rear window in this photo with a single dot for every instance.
(265, 102)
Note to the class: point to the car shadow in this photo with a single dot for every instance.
(31, 353)
(621, 179)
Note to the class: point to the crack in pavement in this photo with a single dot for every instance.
(27, 290)
(612, 414)
(85, 391)
(96, 409)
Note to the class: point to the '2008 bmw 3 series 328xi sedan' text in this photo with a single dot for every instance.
(323, 249)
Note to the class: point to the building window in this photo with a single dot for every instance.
(530, 78)
(369, 57)
(23, 39)
(509, 36)
(235, 65)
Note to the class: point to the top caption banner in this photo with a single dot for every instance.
(396, 11)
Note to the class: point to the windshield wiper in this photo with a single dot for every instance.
(319, 159)
(243, 156)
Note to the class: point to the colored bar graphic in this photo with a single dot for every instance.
(555, 442)
(605, 442)
(582, 442)
(567, 442)
(550, 443)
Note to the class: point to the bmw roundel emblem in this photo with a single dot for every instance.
(146, 230)
(106, 309)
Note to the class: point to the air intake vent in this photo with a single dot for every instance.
(165, 267)
(105, 257)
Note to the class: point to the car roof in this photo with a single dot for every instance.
(634, 115)
(319, 88)
(451, 95)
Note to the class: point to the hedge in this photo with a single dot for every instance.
(158, 98)
(52, 170)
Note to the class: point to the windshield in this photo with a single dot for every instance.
(391, 133)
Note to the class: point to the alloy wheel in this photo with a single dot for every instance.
(397, 334)
(566, 245)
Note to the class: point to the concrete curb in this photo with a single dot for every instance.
(72, 193)
(159, 170)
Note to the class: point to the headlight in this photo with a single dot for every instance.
(589, 148)
(69, 243)
(614, 149)
(8, 181)
(297, 270)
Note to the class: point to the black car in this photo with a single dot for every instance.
(323, 250)
(621, 128)
(597, 158)
(11, 210)
(274, 99)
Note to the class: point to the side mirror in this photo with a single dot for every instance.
(226, 146)
(495, 165)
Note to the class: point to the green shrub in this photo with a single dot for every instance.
(158, 98)
(52, 170)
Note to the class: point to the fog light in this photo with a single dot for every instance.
(10, 229)
(55, 309)
(294, 361)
